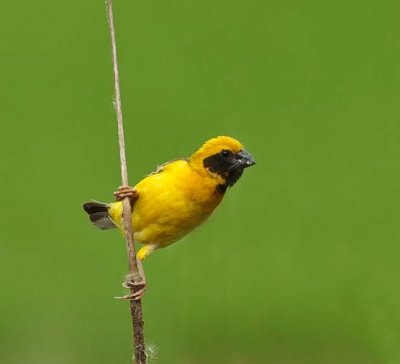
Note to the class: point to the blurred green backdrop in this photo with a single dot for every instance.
(299, 265)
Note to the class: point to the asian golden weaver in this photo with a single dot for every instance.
(178, 196)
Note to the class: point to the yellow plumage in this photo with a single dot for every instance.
(178, 196)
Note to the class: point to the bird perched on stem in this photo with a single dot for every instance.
(177, 197)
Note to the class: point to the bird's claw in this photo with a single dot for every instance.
(126, 191)
(136, 296)
(138, 288)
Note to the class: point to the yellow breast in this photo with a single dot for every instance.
(172, 202)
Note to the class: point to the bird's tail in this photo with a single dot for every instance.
(98, 214)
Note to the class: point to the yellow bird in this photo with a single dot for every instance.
(178, 196)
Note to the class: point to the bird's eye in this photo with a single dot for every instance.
(225, 153)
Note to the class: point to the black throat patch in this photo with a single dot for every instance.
(226, 165)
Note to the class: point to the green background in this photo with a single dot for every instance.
(300, 264)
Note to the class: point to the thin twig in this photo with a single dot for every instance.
(135, 268)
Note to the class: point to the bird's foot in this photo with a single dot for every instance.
(137, 284)
(126, 191)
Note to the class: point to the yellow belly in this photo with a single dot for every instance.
(170, 205)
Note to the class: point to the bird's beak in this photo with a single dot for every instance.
(245, 159)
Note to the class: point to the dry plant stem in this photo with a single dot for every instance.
(135, 268)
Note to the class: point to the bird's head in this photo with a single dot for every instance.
(222, 158)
